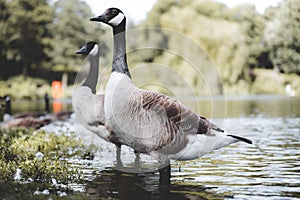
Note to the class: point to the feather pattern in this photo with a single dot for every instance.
(158, 123)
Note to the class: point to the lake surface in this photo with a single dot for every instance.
(268, 169)
(211, 107)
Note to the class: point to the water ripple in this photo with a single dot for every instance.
(269, 169)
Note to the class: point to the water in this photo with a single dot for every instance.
(268, 169)
(211, 107)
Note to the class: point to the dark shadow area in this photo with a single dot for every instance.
(121, 185)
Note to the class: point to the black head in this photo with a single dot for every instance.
(112, 16)
(88, 48)
(7, 104)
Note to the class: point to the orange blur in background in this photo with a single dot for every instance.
(57, 92)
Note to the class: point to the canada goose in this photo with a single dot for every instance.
(22, 120)
(149, 121)
(89, 107)
(7, 112)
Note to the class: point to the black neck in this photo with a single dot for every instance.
(92, 78)
(119, 58)
(7, 107)
(47, 103)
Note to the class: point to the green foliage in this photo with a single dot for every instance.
(160, 7)
(202, 21)
(282, 37)
(71, 28)
(209, 8)
(276, 82)
(233, 38)
(4, 16)
(40, 37)
(147, 38)
(37, 37)
(27, 32)
(20, 88)
(19, 148)
(252, 26)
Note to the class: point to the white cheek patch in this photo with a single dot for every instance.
(116, 20)
(94, 50)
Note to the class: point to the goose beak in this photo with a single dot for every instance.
(101, 18)
(82, 50)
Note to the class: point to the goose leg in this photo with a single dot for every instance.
(137, 160)
(164, 172)
(119, 163)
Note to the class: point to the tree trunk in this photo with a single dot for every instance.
(64, 80)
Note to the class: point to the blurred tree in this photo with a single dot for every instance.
(270, 13)
(282, 37)
(159, 8)
(212, 27)
(26, 32)
(151, 37)
(264, 58)
(253, 25)
(71, 28)
(222, 39)
(4, 15)
(210, 8)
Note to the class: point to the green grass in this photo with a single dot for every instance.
(20, 146)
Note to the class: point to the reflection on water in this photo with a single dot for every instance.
(211, 107)
(245, 106)
(25, 106)
(115, 184)
(268, 169)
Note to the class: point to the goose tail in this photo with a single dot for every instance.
(224, 139)
(240, 138)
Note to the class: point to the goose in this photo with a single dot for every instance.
(7, 112)
(29, 120)
(89, 107)
(152, 122)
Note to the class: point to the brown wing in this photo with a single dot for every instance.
(162, 105)
(178, 115)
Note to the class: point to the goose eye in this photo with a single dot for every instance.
(114, 12)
